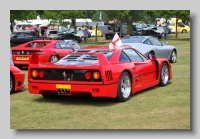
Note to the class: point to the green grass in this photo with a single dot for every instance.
(155, 108)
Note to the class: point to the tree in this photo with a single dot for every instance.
(60, 15)
(120, 15)
(22, 15)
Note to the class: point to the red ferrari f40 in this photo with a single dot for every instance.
(98, 71)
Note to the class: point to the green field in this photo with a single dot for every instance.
(155, 108)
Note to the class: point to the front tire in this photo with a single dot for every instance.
(164, 74)
(173, 56)
(124, 87)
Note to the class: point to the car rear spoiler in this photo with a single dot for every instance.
(38, 58)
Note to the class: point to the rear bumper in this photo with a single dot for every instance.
(21, 62)
(76, 89)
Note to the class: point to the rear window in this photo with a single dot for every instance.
(37, 44)
(132, 39)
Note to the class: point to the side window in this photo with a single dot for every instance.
(57, 46)
(147, 41)
(75, 46)
(33, 34)
(133, 55)
(20, 35)
(155, 42)
(27, 35)
(123, 57)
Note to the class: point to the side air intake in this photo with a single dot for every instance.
(108, 75)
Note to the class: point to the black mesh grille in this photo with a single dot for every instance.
(65, 75)
(108, 75)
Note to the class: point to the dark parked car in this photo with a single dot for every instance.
(149, 32)
(137, 27)
(69, 36)
(23, 37)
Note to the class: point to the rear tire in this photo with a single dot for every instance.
(124, 87)
(164, 74)
(173, 56)
(53, 58)
(184, 31)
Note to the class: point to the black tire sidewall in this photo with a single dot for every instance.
(173, 51)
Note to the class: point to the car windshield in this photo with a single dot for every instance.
(132, 39)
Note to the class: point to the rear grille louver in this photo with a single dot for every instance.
(108, 75)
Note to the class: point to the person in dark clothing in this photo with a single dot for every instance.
(42, 33)
(165, 32)
(85, 36)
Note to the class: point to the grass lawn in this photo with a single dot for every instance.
(155, 108)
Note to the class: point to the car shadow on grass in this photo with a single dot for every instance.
(89, 100)
(78, 100)
(19, 91)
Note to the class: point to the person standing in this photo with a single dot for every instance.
(165, 32)
(85, 36)
(42, 33)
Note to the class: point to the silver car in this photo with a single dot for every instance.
(149, 45)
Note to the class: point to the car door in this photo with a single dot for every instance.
(146, 68)
(160, 50)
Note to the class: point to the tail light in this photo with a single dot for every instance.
(34, 73)
(87, 75)
(41, 74)
(96, 75)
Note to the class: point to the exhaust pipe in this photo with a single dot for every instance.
(63, 91)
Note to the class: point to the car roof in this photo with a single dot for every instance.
(69, 40)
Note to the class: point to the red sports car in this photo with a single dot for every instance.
(100, 72)
(53, 50)
(16, 79)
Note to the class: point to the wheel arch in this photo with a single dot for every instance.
(55, 54)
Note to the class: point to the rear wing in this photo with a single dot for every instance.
(76, 57)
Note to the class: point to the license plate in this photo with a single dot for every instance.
(22, 58)
(63, 86)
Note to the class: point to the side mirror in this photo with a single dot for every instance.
(153, 57)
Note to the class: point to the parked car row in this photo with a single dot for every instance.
(21, 37)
